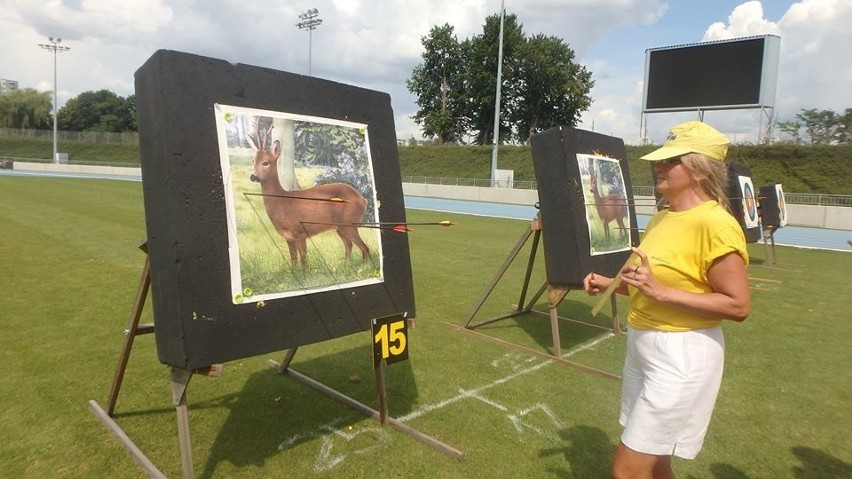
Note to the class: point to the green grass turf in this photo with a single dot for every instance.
(70, 268)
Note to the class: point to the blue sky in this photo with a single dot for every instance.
(376, 43)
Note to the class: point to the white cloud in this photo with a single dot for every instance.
(746, 20)
(376, 44)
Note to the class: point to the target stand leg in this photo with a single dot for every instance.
(180, 380)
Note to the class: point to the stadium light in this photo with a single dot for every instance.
(497, 98)
(56, 48)
(309, 22)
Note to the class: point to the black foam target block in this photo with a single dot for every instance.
(742, 203)
(770, 207)
(562, 198)
(197, 321)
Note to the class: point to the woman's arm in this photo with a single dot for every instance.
(727, 276)
(594, 283)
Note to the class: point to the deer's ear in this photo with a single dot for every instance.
(276, 148)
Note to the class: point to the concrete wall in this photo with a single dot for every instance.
(87, 169)
(831, 217)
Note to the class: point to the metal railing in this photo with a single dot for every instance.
(792, 198)
(446, 180)
(94, 136)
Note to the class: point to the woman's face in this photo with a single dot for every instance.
(673, 177)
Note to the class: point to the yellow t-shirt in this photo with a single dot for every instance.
(681, 246)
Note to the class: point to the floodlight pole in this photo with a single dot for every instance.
(55, 48)
(309, 22)
(497, 98)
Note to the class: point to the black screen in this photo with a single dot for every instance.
(717, 74)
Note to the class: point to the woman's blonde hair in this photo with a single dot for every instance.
(712, 176)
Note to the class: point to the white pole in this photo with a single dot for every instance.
(56, 48)
(497, 98)
(55, 112)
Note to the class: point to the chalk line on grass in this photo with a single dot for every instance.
(335, 439)
(507, 357)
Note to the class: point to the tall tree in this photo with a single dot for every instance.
(793, 129)
(551, 89)
(481, 54)
(456, 84)
(845, 134)
(98, 111)
(821, 126)
(437, 82)
(26, 108)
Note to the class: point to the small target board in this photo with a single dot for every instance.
(390, 339)
(749, 202)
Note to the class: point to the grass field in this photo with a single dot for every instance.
(70, 267)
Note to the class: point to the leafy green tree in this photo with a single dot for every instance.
(98, 111)
(540, 87)
(845, 134)
(481, 54)
(26, 109)
(437, 82)
(821, 126)
(551, 89)
(793, 129)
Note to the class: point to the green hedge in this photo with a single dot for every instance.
(801, 169)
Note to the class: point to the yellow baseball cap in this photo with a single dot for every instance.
(691, 137)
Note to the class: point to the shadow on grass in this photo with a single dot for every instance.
(536, 325)
(816, 464)
(274, 414)
(588, 452)
(726, 471)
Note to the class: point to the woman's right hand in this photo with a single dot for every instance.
(595, 283)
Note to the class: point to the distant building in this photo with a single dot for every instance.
(7, 85)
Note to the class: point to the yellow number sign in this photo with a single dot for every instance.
(390, 339)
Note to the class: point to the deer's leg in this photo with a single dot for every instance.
(347, 243)
(303, 253)
(622, 231)
(365, 250)
(294, 252)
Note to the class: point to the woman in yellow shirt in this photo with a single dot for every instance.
(688, 274)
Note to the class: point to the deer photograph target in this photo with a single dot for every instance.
(586, 201)
(266, 194)
(606, 204)
(323, 213)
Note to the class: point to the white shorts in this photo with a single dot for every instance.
(669, 389)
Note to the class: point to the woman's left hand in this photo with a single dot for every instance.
(642, 277)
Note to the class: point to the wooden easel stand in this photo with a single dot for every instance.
(555, 294)
(180, 381)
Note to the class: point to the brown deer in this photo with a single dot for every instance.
(300, 214)
(610, 207)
